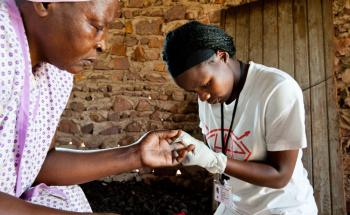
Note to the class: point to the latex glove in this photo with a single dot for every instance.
(201, 155)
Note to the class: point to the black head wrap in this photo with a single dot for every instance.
(193, 43)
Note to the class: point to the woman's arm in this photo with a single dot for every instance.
(274, 173)
(67, 168)
(10, 205)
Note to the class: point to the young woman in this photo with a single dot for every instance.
(252, 118)
(42, 44)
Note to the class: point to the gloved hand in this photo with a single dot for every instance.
(201, 155)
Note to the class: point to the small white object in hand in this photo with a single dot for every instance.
(178, 172)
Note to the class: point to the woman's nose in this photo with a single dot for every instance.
(203, 96)
(101, 46)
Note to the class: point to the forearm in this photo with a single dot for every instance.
(67, 168)
(256, 173)
(10, 205)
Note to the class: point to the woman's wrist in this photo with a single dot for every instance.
(129, 157)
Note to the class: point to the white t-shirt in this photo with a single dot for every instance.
(270, 116)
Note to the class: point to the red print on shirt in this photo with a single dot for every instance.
(236, 148)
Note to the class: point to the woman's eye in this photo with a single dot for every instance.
(205, 85)
(98, 28)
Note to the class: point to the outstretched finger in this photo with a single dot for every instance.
(183, 152)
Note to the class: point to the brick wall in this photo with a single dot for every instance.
(129, 92)
(341, 12)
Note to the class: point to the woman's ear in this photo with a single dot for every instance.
(41, 8)
(224, 56)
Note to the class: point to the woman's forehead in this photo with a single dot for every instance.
(193, 77)
(95, 10)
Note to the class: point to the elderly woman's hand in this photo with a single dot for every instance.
(157, 149)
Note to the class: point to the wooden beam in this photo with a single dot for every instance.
(256, 32)
(320, 148)
(301, 54)
(270, 34)
(285, 37)
(242, 32)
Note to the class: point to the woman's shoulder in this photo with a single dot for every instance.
(270, 77)
(53, 73)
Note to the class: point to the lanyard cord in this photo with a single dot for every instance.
(224, 142)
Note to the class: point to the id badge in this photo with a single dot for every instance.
(222, 193)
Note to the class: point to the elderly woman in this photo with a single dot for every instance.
(42, 43)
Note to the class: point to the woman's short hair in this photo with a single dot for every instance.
(191, 38)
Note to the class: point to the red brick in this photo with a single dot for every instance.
(126, 140)
(77, 106)
(114, 117)
(130, 41)
(152, 55)
(155, 43)
(175, 13)
(121, 63)
(215, 16)
(118, 49)
(136, 3)
(156, 115)
(101, 65)
(160, 67)
(178, 96)
(144, 41)
(144, 27)
(87, 129)
(156, 12)
(128, 14)
(191, 15)
(154, 77)
(134, 127)
(117, 25)
(122, 104)
(96, 117)
(117, 76)
(179, 117)
(128, 27)
(68, 126)
(144, 105)
(112, 130)
(133, 77)
(342, 46)
(139, 54)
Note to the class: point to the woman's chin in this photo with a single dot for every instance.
(75, 69)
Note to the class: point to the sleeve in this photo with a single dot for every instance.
(285, 118)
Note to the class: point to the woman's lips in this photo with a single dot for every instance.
(87, 62)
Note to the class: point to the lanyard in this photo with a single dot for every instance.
(224, 143)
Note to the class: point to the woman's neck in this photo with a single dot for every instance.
(33, 48)
(240, 75)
